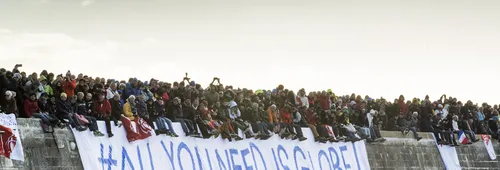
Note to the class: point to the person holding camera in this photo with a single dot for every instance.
(69, 84)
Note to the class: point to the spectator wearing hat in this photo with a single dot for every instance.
(45, 87)
(9, 106)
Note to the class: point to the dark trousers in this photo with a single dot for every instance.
(73, 122)
(203, 128)
(322, 131)
(375, 133)
(291, 127)
(107, 121)
(260, 127)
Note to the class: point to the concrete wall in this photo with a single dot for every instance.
(44, 150)
(53, 152)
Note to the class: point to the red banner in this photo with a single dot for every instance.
(136, 129)
(7, 141)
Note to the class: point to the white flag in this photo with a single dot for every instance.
(489, 146)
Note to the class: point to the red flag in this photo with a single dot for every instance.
(143, 128)
(7, 141)
(136, 129)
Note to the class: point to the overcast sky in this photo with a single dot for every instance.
(380, 48)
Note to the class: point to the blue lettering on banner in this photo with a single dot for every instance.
(125, 156)
(150, 158)
(256, 148)
(282, 149)
(337, 163)
(109, 161)
(244, 153)
(342, 150)
(295, 150)
(181, 146)
(140, 158)
(322, 153)
(336, 158)
(170, 154)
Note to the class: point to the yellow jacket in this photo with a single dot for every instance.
(127, 111)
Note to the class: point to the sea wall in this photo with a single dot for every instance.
(53, 151)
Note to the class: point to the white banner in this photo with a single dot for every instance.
(162, 152)
(489, 146)
(449, 156)
(9, 120)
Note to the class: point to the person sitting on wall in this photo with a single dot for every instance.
(9, 106)
(162, 119)
(102, 111)
(463, 124)
(176, 114)
(83, 114)
(46, 114)
(374, 129)
(65, 112)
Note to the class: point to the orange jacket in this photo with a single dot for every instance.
(69, 88)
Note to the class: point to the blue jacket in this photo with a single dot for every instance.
(129, 90)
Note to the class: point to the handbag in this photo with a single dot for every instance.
(81, 119)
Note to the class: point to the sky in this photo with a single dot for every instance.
(376, 48)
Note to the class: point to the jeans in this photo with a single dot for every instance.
(260, 127)
(47, 119)
(162, 121)
(107, 121)
(471, 134)
(186, 124)
(414, 131)
(365, 131)
(92, 123)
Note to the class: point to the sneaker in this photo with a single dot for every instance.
(320, 139)
(215, 133)
(119, 124)
(238, 138)
(98, 133)
(418, 138)
(265, 137)
(110, 135)
(174, 135)
(302, 138)
(157, 132)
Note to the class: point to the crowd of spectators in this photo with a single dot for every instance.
(80, 100)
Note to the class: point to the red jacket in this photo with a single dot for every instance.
(30, 107)
(324, 102)
(69, 88)
(102, 108)
(311, 119)
(286, 117)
